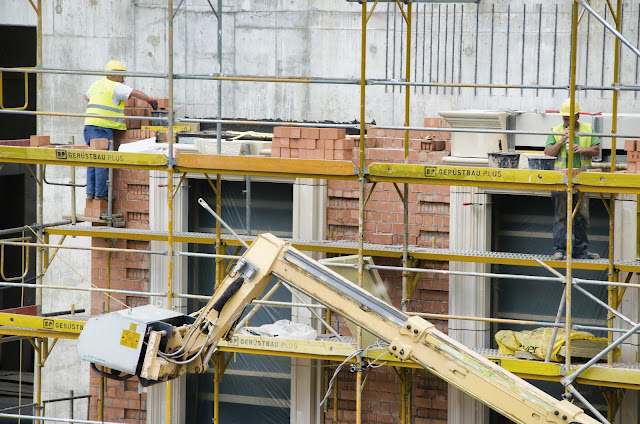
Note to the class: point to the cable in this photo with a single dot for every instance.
(353, 355)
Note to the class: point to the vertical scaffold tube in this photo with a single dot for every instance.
(170, 190)
(363, 76)
(612, 274)
(40, 209)
(405, 201)
(572, 94)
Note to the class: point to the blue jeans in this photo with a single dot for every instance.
(580, 223)
(97, 177)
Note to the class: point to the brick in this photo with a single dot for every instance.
(432, 122)
(333, 133)
(295, 132)
(307, 143)
(316, 154)
(285, 152)
(313, 133)
(280, 132)
(329, 144)
(566, 172)
(633, 156)
(294, 143)
(630, 145)
(632, 167)
(163, 103)
(99, 144)
(275, 152)
(39, 140)
(329, 154)
(282, 142)
(342, 154)
(339, 144)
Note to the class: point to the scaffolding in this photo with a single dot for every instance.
(624, 376)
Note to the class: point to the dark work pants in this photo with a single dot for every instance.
(97, 177)
(580, 223)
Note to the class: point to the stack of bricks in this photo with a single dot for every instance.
(632, 147)
(137, 107)
(311, 143)
(425, 140)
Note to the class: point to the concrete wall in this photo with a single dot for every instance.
(322, 39)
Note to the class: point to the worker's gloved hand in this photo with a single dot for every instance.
(154, 104)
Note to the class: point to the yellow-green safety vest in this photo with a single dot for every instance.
(584, 142)
(101, 103)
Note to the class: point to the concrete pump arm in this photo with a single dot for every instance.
(409, 338)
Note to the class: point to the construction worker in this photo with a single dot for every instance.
(106, 97)
(584, 148)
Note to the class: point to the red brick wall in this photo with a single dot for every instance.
(129, 271)
(428, 227)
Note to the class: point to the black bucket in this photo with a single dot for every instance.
(542, 163)
(159, 113)
(504, 160)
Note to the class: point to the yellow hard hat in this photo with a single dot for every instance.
(115, 65)
(565, 108)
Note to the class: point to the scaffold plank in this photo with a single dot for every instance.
(34, 326)
(620, 374)
(346, 247)
(267, 166)
(608, 182)
(82, 157)
(467, 176)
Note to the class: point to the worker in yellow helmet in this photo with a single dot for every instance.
(106, 97)
(584, 148)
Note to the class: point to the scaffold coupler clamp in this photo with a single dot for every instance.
(412, 332)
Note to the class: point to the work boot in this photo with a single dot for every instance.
(559, 256)
(102, 197)
(587, 255)
(90, 196)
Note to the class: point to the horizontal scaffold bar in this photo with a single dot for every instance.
(82, 157)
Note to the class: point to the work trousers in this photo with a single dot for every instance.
(97, 177)
(580, 223)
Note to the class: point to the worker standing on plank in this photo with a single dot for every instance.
(106, 97)
(584, 148)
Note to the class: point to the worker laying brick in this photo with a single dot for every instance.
(584, 149)
(106, 97)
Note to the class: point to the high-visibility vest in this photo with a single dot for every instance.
(101, 103)
(584, 142)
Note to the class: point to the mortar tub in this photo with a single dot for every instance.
(504, 159)
(542, 163)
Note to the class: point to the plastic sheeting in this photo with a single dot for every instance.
(282, 328)
(536, 342)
